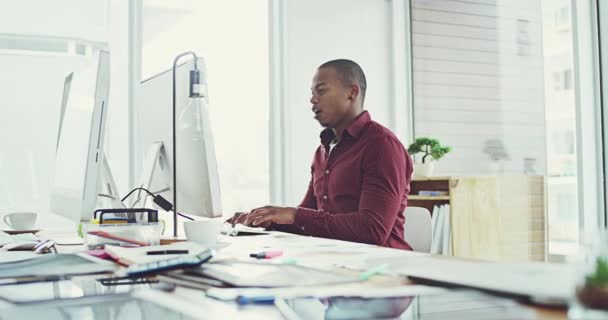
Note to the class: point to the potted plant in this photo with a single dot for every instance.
(431, 150)
(593, 293)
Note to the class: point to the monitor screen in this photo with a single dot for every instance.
(80, 145)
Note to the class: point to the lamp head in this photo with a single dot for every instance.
(195, 88)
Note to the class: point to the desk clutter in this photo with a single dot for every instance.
(273, 275)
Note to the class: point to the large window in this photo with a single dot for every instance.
(232, 37)
(495, 81)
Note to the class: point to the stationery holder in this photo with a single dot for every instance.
(123, 227)
(126, 215)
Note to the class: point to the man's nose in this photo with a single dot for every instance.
(313, 99)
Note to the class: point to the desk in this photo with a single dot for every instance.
(345, 257)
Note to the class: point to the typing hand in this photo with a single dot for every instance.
(264, 216)
(238, 217)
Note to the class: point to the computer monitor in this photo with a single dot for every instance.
(80, 158)
(198, 189)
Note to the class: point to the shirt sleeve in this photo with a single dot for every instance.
(309, 200)
(383, 187)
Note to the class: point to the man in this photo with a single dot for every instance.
(360, 175)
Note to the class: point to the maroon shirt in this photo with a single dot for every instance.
(358, 191)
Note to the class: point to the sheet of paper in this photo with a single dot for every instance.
(14, 256)
(534, 279)
(363, 290)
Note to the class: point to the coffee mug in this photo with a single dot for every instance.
(21, 220)
(203, 231)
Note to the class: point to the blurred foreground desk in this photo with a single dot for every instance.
(155, 301)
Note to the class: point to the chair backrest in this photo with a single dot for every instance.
(417, 228)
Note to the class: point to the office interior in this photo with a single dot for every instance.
(516, 88)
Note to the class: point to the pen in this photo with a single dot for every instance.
(158, 252)
(243, 300)
(373, 271)
(107, 235)
(267, 254)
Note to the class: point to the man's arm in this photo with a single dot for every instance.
(309, 202)
(385, 178)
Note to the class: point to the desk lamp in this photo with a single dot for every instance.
(194, 93)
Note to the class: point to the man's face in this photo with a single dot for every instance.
(330, 98)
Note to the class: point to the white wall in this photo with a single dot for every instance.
(84, 19)
(314, 32)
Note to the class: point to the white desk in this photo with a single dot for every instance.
(319, 253)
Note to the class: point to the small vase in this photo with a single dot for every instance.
(424, 170)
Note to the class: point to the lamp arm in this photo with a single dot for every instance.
(175, 61)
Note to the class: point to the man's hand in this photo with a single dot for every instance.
(235, 218)
(265, 216)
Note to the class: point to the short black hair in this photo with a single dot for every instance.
(349, 73)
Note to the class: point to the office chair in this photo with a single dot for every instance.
(417, 228)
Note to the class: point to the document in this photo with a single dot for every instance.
(56, 265)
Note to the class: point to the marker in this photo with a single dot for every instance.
(159, 252)
(267, 254)
(373, 271)
(243, 300)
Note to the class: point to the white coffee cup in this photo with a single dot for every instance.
(203, 231)
(21, 220)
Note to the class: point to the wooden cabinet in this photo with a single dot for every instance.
(491, 217)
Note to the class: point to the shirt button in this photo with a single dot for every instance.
(325, 197)
(326, 171)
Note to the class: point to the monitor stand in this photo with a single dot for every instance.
(156, 175)
(107, 192)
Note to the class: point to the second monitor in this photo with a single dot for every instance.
(198, 188)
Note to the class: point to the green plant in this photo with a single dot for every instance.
(429, 147)
(600, 276)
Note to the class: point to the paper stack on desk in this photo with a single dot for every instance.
(8, 239)
(56, 265)
(128, 256)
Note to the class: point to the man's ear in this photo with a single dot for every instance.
(354, 92)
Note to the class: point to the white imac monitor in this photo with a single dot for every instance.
(198, 188)
(79, 157)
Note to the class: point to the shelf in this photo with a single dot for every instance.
(414, 197)
(430, 178)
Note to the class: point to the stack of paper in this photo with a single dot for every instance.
(128, 256)
(440, 227)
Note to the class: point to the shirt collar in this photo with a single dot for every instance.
(354, 130)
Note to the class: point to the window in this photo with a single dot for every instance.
(562, 18)
(476, 89)
(234, 44)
